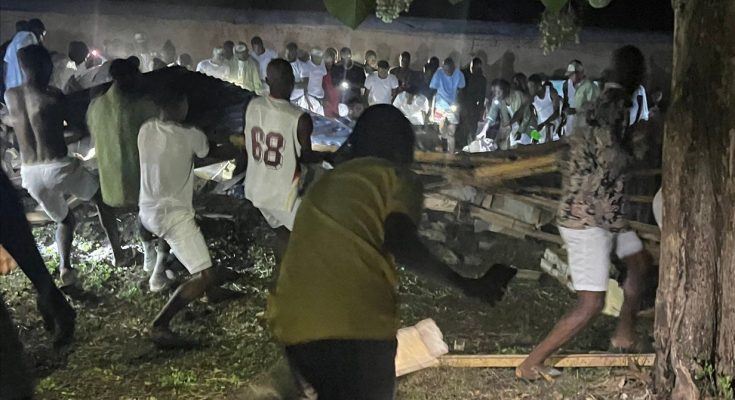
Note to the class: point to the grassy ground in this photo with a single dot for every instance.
(113, 359)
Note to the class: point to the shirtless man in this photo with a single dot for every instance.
(277, 133)
(38, 112)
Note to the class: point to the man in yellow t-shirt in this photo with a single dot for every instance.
(335, 305)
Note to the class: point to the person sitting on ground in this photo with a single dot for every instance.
(114, 119)
(39, 113)
(348, 78)
(262, 55)
(447, 82)
(216, 66)
(246, 73)
(578, 90)
(591, 213)
(167, 152)
(277, 134)
(16, 239)
(371, 62)
(335, 308)
(546, 102)
(406, 76)
(381, 86)
(185, 60)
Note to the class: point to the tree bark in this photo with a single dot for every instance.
(695, 306)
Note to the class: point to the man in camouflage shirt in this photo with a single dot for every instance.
(590, 216)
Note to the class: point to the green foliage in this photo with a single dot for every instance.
(178, 379)
(350, 12)
(558, 28)
(719, 386)
(554, 5)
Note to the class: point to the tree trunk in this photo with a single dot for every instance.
(695, 306)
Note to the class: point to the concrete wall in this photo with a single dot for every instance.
(505, 48)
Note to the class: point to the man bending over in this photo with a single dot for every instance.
(167, 151)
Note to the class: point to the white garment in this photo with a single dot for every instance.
(381, 90)
(47, 183)
(273, 150)
(544, 107)
(316, 78)
(184, 238)
(415, 111)
(310, 103)
(570, 98)
(207, 67)
(589, 254)
(263, 61)
(634, 108)
(167, 152)
(300, 71)
(658, 207)
(281, 218)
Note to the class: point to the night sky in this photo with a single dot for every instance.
(642, 15)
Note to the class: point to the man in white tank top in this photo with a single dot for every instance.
(546, 102)
(276, 134)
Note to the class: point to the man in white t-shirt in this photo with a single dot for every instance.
(316, 70)
(300, 71)
(167, 150)
(216, 66)
(276, 135)
(262, 55)
(414, 106)
(381, 85)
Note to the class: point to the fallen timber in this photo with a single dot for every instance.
(476, 182)
(559, 361)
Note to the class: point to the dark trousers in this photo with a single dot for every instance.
(16, 381)
(347, 369)
(16, 237)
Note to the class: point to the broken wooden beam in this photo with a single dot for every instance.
(559, 361)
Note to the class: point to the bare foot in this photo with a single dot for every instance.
(218, 294)
(68, 277)
(622, 342)
(537, 372)
(163, 338)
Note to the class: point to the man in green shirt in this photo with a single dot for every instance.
(114, 120)
(335, 305)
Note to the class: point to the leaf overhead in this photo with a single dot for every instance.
(554, 5)
(350, 12)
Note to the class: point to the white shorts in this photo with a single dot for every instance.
(184, 236)
(589, 254)
(442, 114)
(278, 218)
(48, 184)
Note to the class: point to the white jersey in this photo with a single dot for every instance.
(544, 107)
(273, 150)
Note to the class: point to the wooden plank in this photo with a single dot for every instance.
(513, 224)
(560, 361)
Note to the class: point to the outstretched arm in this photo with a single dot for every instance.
(401, 240)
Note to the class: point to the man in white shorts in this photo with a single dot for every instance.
(167, 150)
(277, 133)
(591, 219)
(38, 112)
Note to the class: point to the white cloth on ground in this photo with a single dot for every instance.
(589, 254)
(48, 182)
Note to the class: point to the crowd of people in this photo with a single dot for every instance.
(333, 308)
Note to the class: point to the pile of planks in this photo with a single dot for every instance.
(513, 192)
